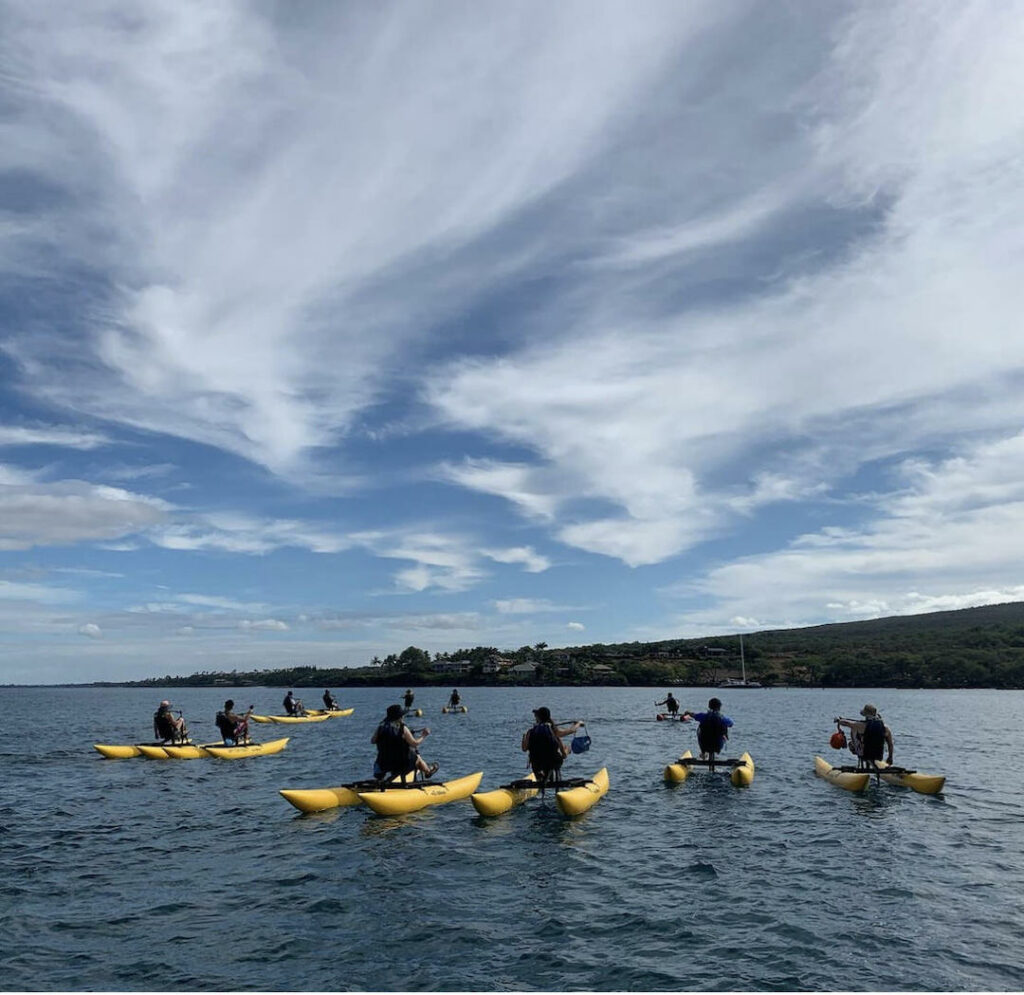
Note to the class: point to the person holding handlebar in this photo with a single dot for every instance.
(234, 729)
(398, 748)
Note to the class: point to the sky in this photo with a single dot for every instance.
(327, 329)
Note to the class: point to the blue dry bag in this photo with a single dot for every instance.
(580, 742)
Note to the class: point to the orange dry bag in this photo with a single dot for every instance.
(838, 740)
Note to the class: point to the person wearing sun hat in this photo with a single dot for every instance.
(543, 741)
(870, 737)
(167, 726)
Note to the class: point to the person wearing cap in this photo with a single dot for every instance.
(543, 742)
(870, 737)
(398, 749)
(234, 729)
(329, 703)
(168, 727)
(712, 729)
(408, 697)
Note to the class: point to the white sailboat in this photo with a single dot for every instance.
(731, 682)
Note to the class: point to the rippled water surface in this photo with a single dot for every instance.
(171, 875)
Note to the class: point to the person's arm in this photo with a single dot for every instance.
(373, 738)
(526, 740)
(563, 731)
(888, 742)
(665, 702)
(411, 739)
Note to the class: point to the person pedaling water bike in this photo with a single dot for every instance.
(168, 728)
(398, 749)
(234, 729)
(670, 703)
(408, 697)
(713, 729)
(869, 737)
(329, 703)
(543, 742)
(454, 699)
(293, 705)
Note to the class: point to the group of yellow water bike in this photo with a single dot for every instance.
(404, 782)
(173, 741)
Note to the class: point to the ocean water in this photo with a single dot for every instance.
(196, 875)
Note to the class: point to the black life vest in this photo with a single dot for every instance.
(394, 754)
(712, 733)
(163, 724)
(873, 739)
(289, 705)
(225, 725)
(544, 748)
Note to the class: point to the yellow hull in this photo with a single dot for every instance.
(250, 750)
(334, 713)
(155, 751)
(112, 752)
(743, 776)
(398, 801)
(677, 773)
(847, 781)
(290, 719)
(321, 799)
(576, 801)
(502, 799)
(923, 784)
(454, 710)
(190, 752)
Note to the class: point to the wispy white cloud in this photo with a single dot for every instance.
(23, 435)
(263, 625)
(684, 418)
(242, 321)
(532, 561)
(951, 537)
(575, 626)
(525, 606)
(91, 629)
(35, 513)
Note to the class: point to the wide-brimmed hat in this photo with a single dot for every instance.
(395, 711)
(869, 710)
(543, 713)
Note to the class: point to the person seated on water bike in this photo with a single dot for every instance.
(398, 749)
(869, 737)
(454, 699)
(234, 729)
(713, 729)
(408, 697)
(168, 728)
(329, 703)
(543, 742)
(670, 703)
(293, 705)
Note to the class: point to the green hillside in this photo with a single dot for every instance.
(974, 647)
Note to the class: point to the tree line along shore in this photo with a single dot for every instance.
(969, 648)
